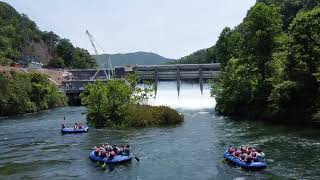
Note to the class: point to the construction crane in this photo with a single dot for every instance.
(92, 40)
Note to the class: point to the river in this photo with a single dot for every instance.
(32, 147)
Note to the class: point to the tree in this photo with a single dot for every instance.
(261, 26)
(236, 89)
(56, 63)
(228, 46)
(290, 8)
(21, 40)
(105, 101)
(199, 57)
(51, 40)
(65, 50)
(297, 97)
(82, 59)
(244, 86)
(26, 93)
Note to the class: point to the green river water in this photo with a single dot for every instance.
(32, 147)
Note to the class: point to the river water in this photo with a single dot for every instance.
(31, 146)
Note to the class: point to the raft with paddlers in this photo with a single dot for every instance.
(118, 159)
(247, 158)
(78, 128)
(72, 130)
(108, 154)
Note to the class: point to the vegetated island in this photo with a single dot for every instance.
(120, 103)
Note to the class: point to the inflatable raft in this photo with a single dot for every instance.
(72, 130)
(245, 165)
(116, 160)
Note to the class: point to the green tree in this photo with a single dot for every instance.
(56, 63)
(65, 50)
(290, 8)
(105, 100)
(51, 40)
(228, 46)
(82, 59)
(297, 97)
(261, 26)
(236, 89)
(245, 82)
(199, 57)
(120, 103)
(26, 93)
(21, 40)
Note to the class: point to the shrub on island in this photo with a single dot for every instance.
(120, 103)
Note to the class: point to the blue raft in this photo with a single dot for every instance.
(116, 160)
(72, 130)
(242, 164)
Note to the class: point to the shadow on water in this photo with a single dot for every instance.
(32, 147)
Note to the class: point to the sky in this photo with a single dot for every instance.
(171, 28)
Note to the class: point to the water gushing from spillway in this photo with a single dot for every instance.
(189, 96)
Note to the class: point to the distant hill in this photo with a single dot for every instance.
(141, 58)
(202, 56)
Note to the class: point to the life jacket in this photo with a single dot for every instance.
(96, 152)
(231, 151)
(237, 154)
(111, 155)
(103, 154)
(254, 154)
(243, 156)
(249, 159)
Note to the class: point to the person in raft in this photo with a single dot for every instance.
(247, 154)
(75, 126)
(110, 152)
(78, 126)
(81, 126)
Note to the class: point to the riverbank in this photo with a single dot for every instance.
(23, 93)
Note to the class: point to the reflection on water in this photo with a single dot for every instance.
(32, 147)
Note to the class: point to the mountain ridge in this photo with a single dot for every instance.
(133, 58)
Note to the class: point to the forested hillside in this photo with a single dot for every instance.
(225, 46)
(271, 63)
(145, 58)
(202, 56)
(22, 41)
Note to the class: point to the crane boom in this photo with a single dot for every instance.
(92, 43)
(91, 38)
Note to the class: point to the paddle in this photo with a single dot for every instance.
(136, 157)
(104, 165)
